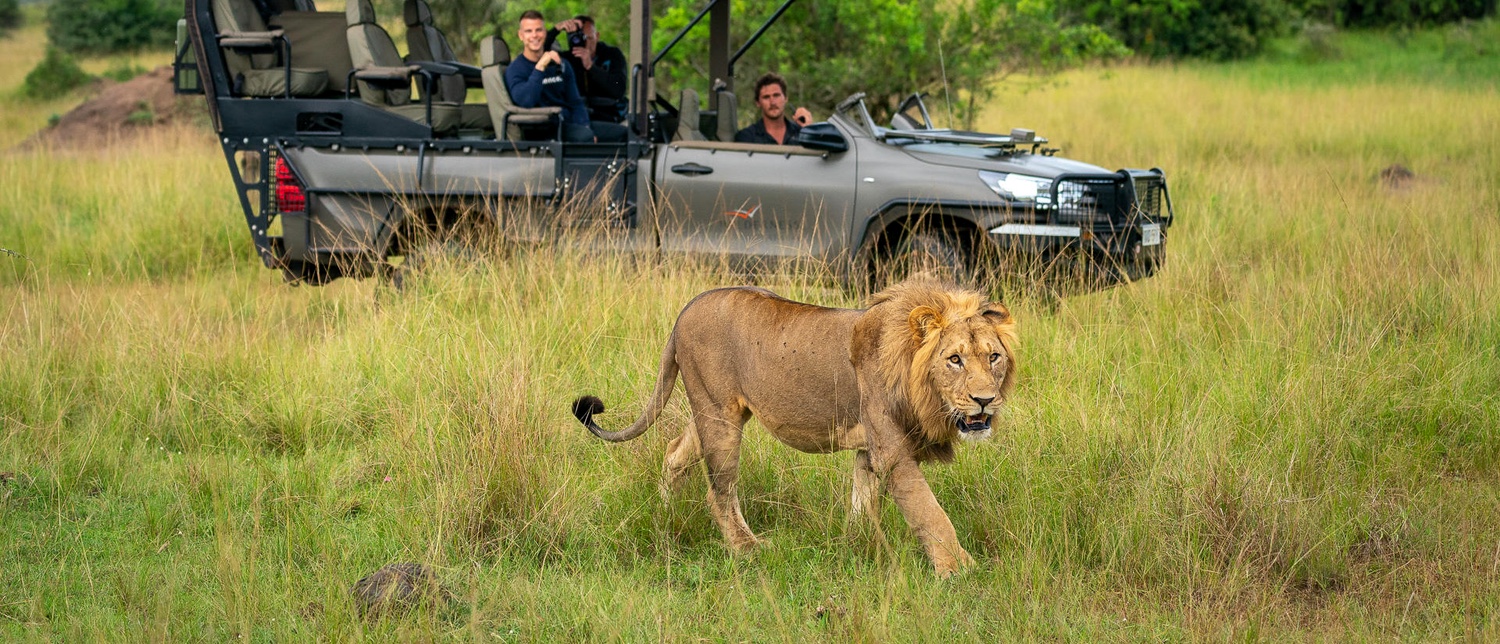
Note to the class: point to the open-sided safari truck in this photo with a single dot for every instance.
(341, 149)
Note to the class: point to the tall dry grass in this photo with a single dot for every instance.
(1289, 433)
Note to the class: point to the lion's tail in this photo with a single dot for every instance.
(586, 407)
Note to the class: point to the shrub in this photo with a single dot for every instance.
(10, 15)
(1393, 13)
(107, 26)
(1215, 29)
(55, 76)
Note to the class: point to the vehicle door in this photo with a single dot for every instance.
(755, 204)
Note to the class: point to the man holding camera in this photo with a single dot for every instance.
(600, 68)
(541, 78)
(774, 127)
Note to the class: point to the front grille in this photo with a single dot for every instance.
(1108, 201)
(1086, 200)
(1150, 197)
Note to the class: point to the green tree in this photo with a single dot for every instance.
(830, 49)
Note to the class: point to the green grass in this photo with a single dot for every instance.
(1290, 433)
(1459, 55)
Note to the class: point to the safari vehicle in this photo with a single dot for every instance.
(339, 164)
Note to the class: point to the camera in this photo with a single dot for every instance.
(576, 39)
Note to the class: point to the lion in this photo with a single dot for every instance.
(901, 382)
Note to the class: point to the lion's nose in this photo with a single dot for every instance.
(982, 402)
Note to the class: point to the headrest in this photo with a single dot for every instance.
(417, 13)
(359, 12)
(493, 51)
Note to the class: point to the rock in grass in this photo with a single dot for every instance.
(398, 587)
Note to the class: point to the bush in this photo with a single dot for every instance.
(108, 26)
(55, 76)
(1215, 29)
(10, 15)
(1393, 13)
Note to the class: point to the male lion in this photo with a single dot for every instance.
(901, 382)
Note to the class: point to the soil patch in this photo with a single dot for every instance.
(121, 110)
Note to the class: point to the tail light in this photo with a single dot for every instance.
(289, 194)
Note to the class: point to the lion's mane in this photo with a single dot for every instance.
(913, 314)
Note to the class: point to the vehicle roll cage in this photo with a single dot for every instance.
(720, 59)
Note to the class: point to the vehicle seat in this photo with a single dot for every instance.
(688, 119)
(383, 78)
(508, 117)
(318, 41)
(728, 120)
(425, 42)
(258, 58)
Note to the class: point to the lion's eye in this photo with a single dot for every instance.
(954, 359)
(994, 357)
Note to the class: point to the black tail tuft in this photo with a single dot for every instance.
(585, 407)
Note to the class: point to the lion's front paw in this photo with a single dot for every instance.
(960, 561)
(745, 545)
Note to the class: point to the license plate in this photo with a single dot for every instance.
(1150, 234)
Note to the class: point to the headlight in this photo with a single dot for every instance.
(1018, 187)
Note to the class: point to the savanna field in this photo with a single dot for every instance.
(1292, 432)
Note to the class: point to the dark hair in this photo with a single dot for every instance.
(769, 78)
(585, 19)
(531, 14)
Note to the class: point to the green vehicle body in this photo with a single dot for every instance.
(332, 186)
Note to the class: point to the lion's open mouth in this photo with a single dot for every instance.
(975, 423)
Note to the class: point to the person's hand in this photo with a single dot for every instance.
(549, 57)
(585, 57)
(569, 25)
(802, 116)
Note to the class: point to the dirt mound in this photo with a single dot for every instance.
(122, 109)
(1397, 176)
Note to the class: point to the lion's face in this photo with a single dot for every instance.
(970, 366)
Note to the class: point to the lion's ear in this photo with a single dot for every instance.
(996, 312)
(924, 321)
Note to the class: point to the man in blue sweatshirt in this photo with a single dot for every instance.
(541, 78)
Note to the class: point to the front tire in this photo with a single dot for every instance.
(937, 253)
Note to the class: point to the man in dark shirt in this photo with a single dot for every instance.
(541, 78)
(773, 127)
(599, 67)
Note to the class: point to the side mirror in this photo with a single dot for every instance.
(822, 136)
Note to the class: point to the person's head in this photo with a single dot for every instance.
(770, 96)
(588, 29)
(533, 31)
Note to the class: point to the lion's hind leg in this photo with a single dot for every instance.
(683, 453)
(719, 429)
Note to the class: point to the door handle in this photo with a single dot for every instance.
(692, 169)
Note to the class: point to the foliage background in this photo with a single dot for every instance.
(107, 26)
(10, 16)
